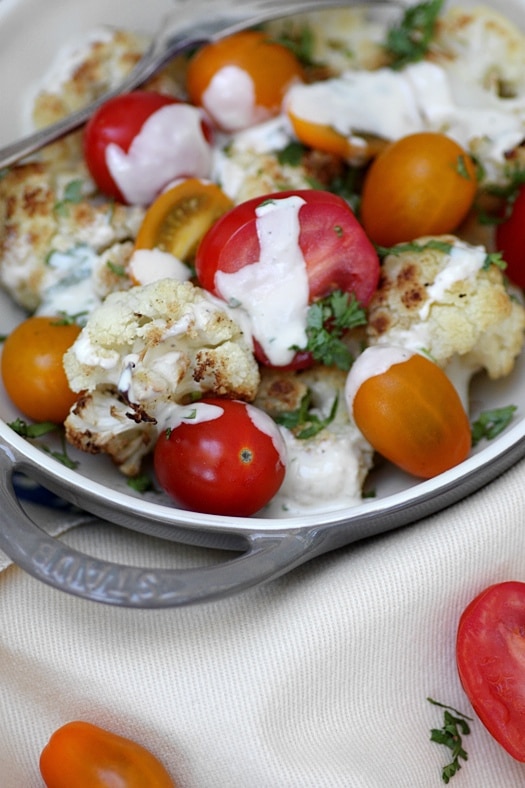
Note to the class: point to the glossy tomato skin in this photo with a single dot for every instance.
(82, 755)
(270, 67)
(32, 369)
(409, 412)
(337, 252)
(231, 464)
(490, 654)
(422, 184)
(510, 240)
(118, 121)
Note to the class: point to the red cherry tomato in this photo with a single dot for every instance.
(179, 151)
(490, 653)
(422, 184)
(509, 240)
(408, 410)
(226, 457)
(337, 253)
(242, 79)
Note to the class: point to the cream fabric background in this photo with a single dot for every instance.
(318, 680)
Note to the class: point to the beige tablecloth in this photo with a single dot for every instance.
(317, 680)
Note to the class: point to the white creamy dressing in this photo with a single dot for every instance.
(374, 360)
(149, 265)
(464, 263)
(170, 144)
(267, 426)
(422, 97)
(71, 287)
(323, 475)
(230, 99)
(274, 290)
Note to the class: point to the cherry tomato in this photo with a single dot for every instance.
(408, 410)
(241, 80)
(327, 139)
(179, 218)
(337, 254)
(423, 184)
(32, 369)
(82, 755)
(225, 457)
(490, 654)
(509, 240)
(136, 173)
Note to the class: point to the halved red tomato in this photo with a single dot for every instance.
(315, 231)
(490, 654)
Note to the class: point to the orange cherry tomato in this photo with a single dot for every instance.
(241, 80)
(423, 184)
(177, 220)
(327, 139)
(409, 411)
(82, 755)
(32, 369)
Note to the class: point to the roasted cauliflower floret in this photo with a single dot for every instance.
(54, 235)
(325, 471)
(96, 64)
(443, 297)
(144, 352)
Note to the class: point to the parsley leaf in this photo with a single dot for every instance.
(72, 195)
(491, 423)
(413, 246)
(326, 322)
(304, 422)
(409, 41)
(38, 430)
(450, 735)
(292, 154)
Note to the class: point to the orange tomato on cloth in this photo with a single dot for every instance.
(82, 755)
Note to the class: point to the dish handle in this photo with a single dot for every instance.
(268, 555)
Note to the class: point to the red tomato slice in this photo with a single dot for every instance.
(490, 654)
(227, 457)
(337, 252)
(509, 241)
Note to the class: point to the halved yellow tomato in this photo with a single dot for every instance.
(177, 220)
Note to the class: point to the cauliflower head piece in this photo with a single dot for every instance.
(448, 299)
(145, 352)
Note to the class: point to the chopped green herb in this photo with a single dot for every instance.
(72, 195)
(409, 41)
(292, 154)
(450, 735)
(494, 258)
(413, 246)
(115, 268)
(304, 422)
(491, 423)
(64, 319)
(38, 430)
(326, 322)
(300, 42)
(461, 167)
(338, 230)
(141, 483)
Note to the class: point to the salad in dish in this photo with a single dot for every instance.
(293, 241)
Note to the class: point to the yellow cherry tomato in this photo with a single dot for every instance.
(409, 411)
(423, 184)
(82, 755)
(327, 139)
(177, 220)
(32, 368)
(270, 67)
